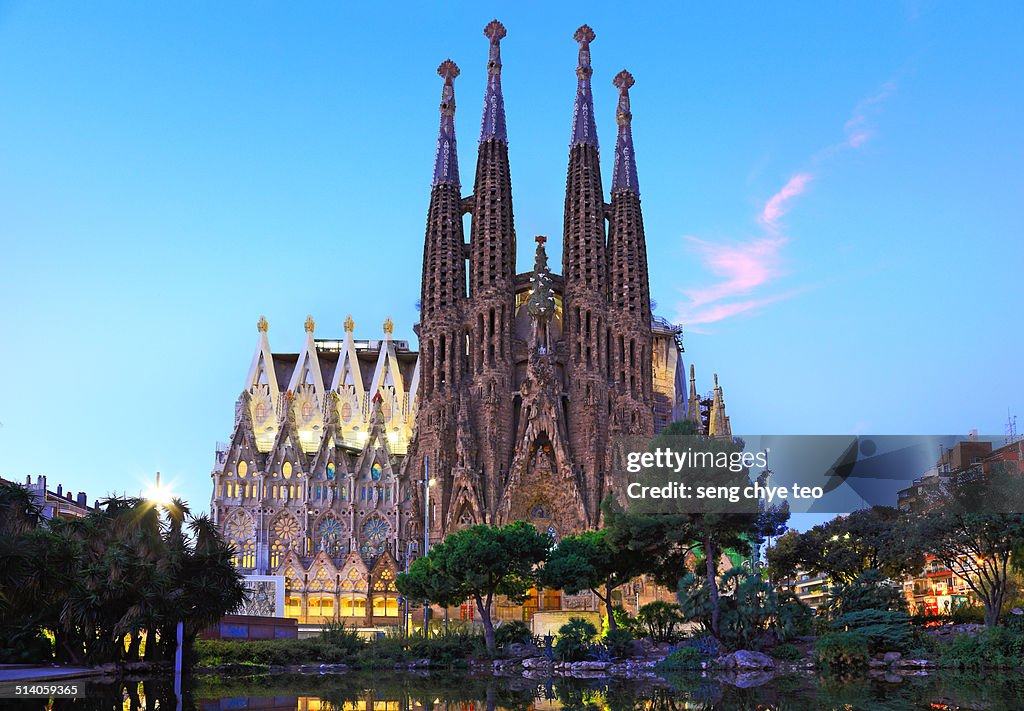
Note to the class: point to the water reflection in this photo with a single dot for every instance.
(394, 691)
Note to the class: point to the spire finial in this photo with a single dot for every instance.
(310, 324)
(584, 129)
(349, 324)
(624, 167)
(262, 324)
(692, 376)
(389, 327)
(716, 381)
(492, 125)
(446, 162)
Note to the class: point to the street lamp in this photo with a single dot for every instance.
(162, 497)
(427, 483)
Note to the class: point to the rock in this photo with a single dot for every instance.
(891, 657)
(745, 660)
(1017, 611)
(876, 664)
(520, 650)
(537, 663)
(589, 666)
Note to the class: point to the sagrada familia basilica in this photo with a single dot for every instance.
(510, 409)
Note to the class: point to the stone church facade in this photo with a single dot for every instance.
(510, 408)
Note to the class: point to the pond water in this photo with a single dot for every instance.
(402, 691)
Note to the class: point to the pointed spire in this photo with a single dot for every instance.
(624, 170)
(262, 324)
(492, 125)
(446, 160)
(584, 129)
(541, 303)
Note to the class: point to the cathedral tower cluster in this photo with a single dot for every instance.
(528, 378)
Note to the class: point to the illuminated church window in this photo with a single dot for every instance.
(385, 595)
(261, 412)
(538, 511)
(284, 532)
(307, 410)
(287, 470)
(330, 471)
(353, 595)
(239, 533)
(375, 471)
(375, 534)
(243, 469)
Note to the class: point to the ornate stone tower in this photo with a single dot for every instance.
(442, 335)
(584, 268)
(491, 309)
(629, 297)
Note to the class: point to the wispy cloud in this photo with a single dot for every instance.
(745, 268)
(779, 203)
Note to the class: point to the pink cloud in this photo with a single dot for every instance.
(741, 267)
(747, 267)
(778, 204)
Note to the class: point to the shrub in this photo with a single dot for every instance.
(840, 650)
(659, 620)
(617, 642)
(623, 621)
(512, 632)
(868, 591)
(967, 614)
(787, 653)
(706, 645)
(885, 630)
(752, 616)
(682, 659)
(450, 648)
(574, 638)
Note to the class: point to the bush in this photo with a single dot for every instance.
(885, 630)
(659, 620)
(991, 648)
(682, 659)
(574, 640)
(841, 650)
(788, 653)
(868, 591)
(512, 632)
(623, 621)
(617, 642)
(706, 645)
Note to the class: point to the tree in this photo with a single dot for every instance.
(478, 563)
(668, 531)
(974, 526)
(120, 572)
(589, 562)
(878, 538)
(659, 619)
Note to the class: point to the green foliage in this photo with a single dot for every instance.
(842, 650)
(623, 621)
(659, 619)
(879, 538)
(589, 561)
(478, 562)
(974, 528)
(127, 569)
(510, 632)
(664, 533)
(617, 642)
(753, 615)
(574, 640)
(787, 653)
(992, 648)
(870, 590)
(684, 658)
(884, 630)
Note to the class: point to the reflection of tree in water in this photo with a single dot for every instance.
(990, 690)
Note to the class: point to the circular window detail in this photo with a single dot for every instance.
(375, 536)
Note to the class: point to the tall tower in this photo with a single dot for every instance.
(585, 271)
(629, 297)
(442, 336)
(491, 310)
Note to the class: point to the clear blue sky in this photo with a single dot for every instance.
(833, 199)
